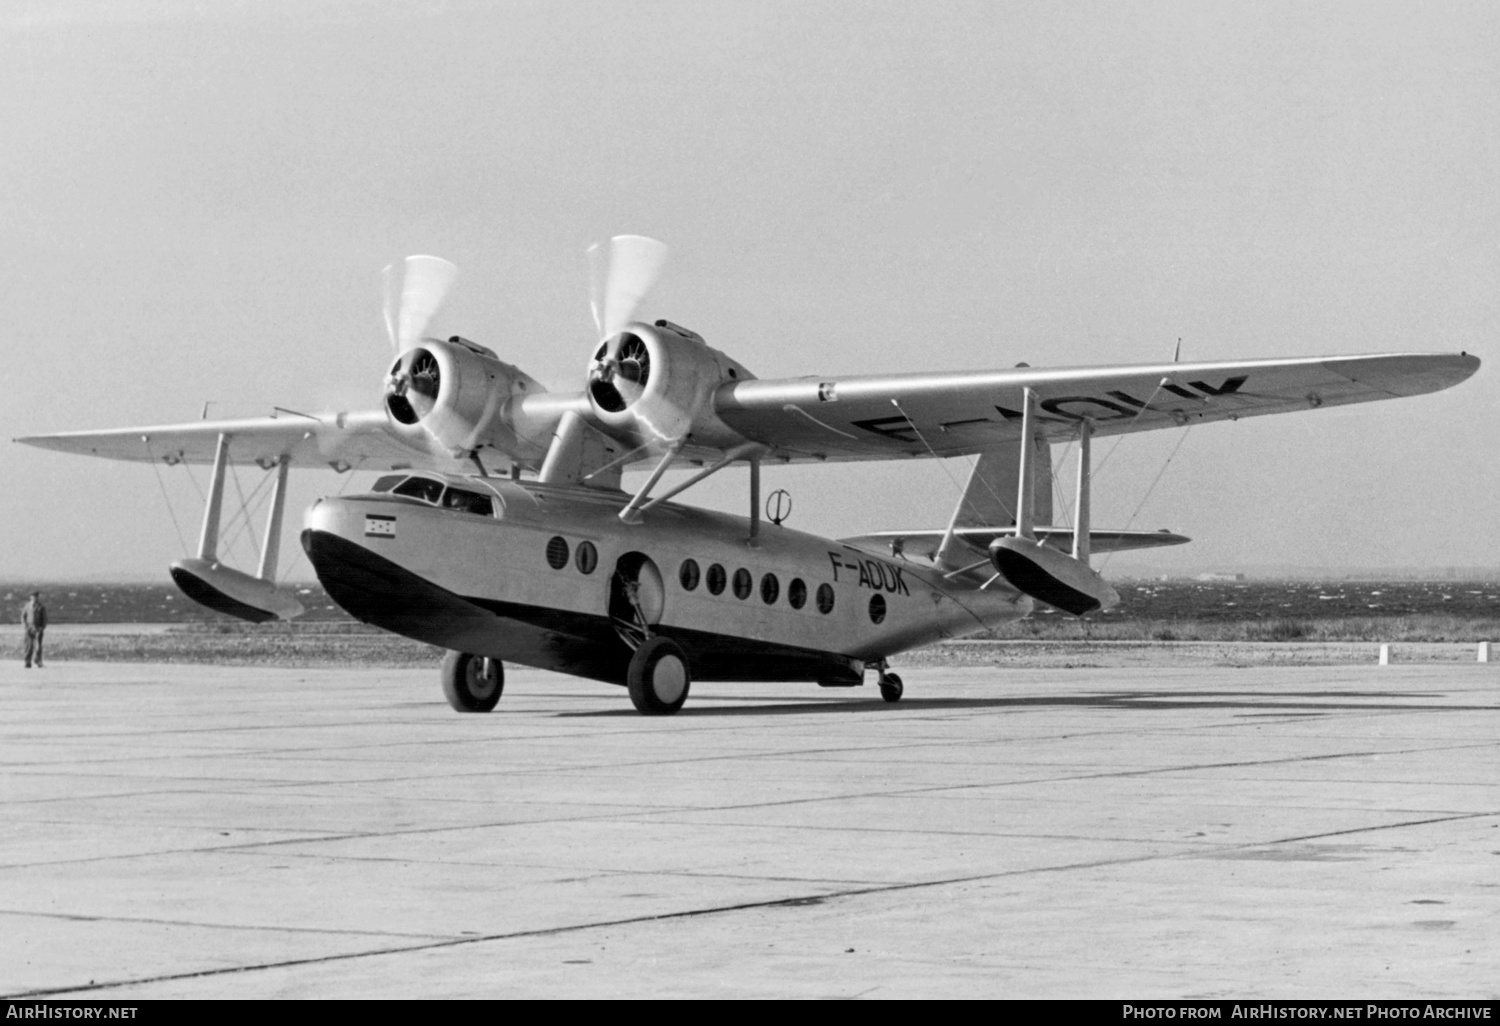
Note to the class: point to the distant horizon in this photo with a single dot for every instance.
(1258, 572)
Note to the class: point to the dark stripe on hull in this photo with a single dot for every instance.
(379, 592)
(1031, 579)
(205, 594)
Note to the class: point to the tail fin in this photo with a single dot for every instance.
(990, 498)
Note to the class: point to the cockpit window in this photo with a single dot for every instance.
(424, 488)
(468, 502)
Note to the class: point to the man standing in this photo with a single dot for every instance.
(34, 619)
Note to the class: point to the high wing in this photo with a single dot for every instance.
(343, 441)
(888, 416)
(833, 418)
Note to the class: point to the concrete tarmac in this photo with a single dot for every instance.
(194, 831)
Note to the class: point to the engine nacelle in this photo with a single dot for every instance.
(451, 397)
(655, 384)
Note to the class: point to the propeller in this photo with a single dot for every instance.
(412, 296)
(619, 276)
(411, 301)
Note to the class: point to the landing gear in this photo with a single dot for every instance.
(658, 677)
(890, 686)
(472, 683)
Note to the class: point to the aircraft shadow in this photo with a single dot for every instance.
(1249, 702)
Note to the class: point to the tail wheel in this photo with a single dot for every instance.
(658, 677)
(891, 687)
(472, 683)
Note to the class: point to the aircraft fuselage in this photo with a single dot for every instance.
(550, 577)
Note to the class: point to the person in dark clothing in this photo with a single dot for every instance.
(34, 619)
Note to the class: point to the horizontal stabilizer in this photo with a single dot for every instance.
(923, 544)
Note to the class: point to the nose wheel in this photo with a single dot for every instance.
(891, 688)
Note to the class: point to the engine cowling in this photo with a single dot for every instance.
(654, 384)
(451, 397)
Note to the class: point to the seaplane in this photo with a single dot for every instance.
(499, 527)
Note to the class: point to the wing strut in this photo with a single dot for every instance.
(1026, 492)
(739, 452)
(271, 550)
(210, 583)
(631, 514)
(208, 538)
(1035, 569)
(754, 538)
(1081, 510)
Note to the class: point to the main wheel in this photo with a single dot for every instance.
(891, 687)
(472, 683)
(658, 677)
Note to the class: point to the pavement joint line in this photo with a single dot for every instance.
(903, 792)
(783, 754)
(251, 846)
(1151, 771)
(303, 725)
(211, 752)
(786, 902)
(1388, 826)
(197, 924)
(595, 874)
(808, 899)
(715, 757)
(1186, 842)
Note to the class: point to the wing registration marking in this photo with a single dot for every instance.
(1120, 405)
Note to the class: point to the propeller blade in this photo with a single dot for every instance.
(598, 258)
(412, 297)
(633, 264)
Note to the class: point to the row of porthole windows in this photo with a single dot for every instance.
(586, 558)
(742, 584)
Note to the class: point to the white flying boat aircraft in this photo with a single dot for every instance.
(502, 532)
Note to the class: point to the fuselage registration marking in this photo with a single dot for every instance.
(873, 574)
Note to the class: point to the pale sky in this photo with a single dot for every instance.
(198, 199)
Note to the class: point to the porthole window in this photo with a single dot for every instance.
(877, 608)
(688, 575)
(770, 588)
(796, 593)
(587, 558)
(825, 598)
(557, 552)
(742, 583)
(716, 580)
